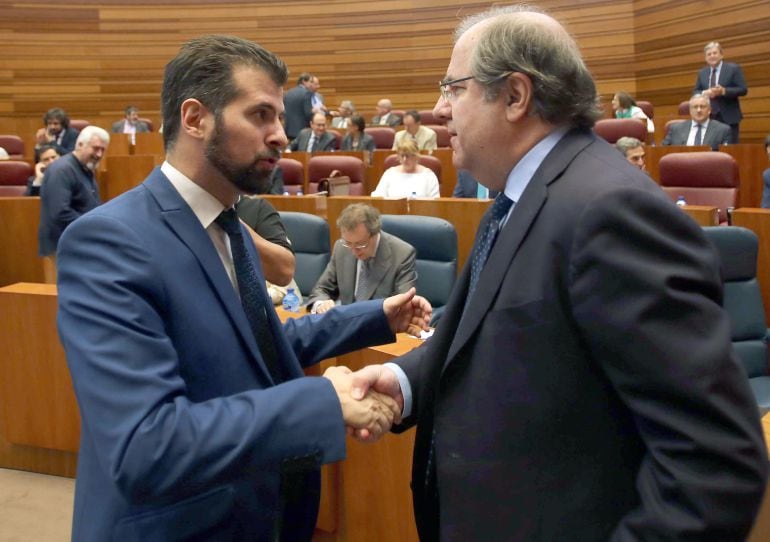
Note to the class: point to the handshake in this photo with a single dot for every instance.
(371, 400)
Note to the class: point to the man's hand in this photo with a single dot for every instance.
(42, 136)
(321, 307)
(408, 313)
(376, 379)
(368, 417)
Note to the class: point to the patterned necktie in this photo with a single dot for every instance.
(496, 213)
(312, 143)
(364, 276)
(698, 135)
(254, 304)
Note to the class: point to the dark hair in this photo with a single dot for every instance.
(414, 114)
(625, 100)
(57, 113)
(131, 109)
(359, 121)
(46, 147)
(203, 70)
(304, 77)
(564, 91)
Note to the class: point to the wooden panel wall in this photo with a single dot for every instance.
(93, 57)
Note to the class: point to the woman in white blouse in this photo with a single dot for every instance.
(409, 179)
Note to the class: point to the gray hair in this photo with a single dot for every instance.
(90, 131)
(564, 91)
(360, 213)
(712, 45)
(625, 144)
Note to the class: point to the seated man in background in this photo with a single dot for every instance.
(69, 191)
(385, 115)
(57, 131)
(46, 154)
(422, 135)
(632, 149)
(701, 130)
(366, 262)
(342, 116)
(131, 123)
(315, 138)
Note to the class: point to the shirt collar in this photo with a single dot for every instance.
(205, 206)
(525, 169)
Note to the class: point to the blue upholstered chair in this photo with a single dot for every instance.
(435, 241)
(738, 249)
(309, 236)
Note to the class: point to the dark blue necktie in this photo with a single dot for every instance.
(496, 213)
(254, 304)
(698, 135)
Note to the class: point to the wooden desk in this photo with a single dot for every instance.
(314, 205)
(149, 143)
(704, 215)
(19, 221)
(124, 172)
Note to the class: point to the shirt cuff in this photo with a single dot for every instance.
(406, 388)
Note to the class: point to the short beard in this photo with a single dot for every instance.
(248, 179)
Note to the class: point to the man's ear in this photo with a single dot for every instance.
(518, 94)
(195, 118)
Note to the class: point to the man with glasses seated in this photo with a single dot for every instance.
(366, 263)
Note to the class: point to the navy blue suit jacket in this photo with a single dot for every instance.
(298, 105)
(184, 433)
(730, 77)
(588, 390)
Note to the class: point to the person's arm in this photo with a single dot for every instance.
(705, 465)
(382, 187)
(327, 286)
(700, 84)
(406, 274)
(278, 263)
(736, 86)
(58, 193)
(432, 188)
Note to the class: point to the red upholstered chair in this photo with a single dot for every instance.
(319, 167)
(669, 124)
(12, 191)
(424, 160)
(79, 124)
(613, 129)
(383, 136)
(702, 178)
(684, 108)
(15, 173)
(293, 175)
(442, 135)
(426, 117)
(647, 108)
(13, 145)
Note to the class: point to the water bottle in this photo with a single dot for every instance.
(680, 201)
(290, 301)
(413, 195)
(286, 193)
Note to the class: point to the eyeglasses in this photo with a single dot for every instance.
(359, 246)
(444, 87)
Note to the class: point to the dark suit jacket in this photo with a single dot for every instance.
(117, 127)
(393, 120)
(730, 77)
(766, 189)
(393, 272)
(185, 435)
(717, 133)
(328, 141)
(365, 143)
(298, 113)
(590, 391)
(68, 192)
(467, 186)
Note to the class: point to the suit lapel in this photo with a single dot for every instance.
(512, 235)
(183, 222)
(382, 261)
